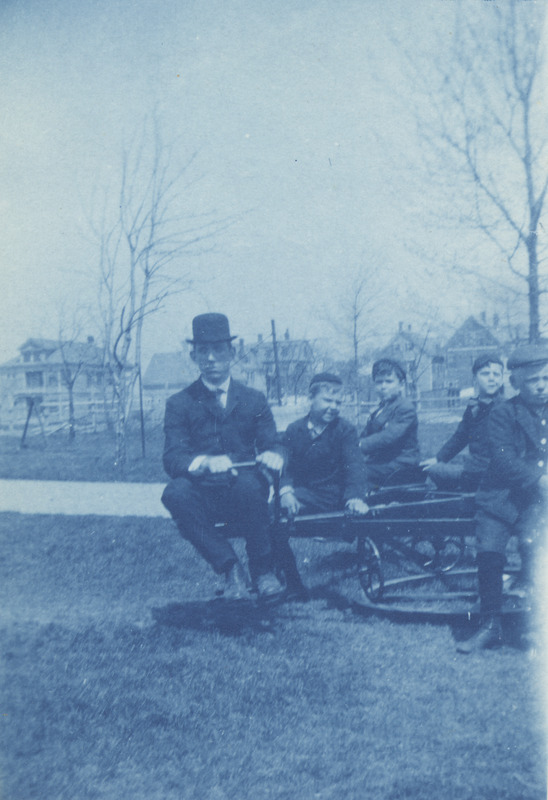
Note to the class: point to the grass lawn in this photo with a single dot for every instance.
(91, 456)
(121, 681)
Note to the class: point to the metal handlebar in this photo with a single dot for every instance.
(372, 509)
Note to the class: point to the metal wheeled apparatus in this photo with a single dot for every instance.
(429, 533)
(426, 532)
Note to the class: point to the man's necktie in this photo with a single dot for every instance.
(218, 394)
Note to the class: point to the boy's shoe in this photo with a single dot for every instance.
(487, 637)
(235, 583)
(268, 585)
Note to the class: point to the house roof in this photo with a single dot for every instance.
(171, 370)
(39, 344)
(472, 334)
(76, 352)
(56, 353)
(408, 344)
(288, 350)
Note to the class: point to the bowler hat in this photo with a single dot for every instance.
(210, 328)
(528, 355)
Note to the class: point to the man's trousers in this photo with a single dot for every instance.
(197, 503)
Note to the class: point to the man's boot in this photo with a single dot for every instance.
(487, 637)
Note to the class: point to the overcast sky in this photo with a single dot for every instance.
(302, 136)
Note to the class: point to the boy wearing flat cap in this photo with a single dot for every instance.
(324, 469)
(471, 432)
(513, 493)
(389, 441)
(212, 424)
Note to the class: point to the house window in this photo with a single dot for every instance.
(53, 379)
(26, 357)
(35, 380)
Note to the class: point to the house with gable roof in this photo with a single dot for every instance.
(166, 374)
(40, 376)
(253, 365)
(420, 355)
(462, 349)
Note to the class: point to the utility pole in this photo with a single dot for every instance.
(276, 364)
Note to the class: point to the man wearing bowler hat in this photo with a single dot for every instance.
(513, 494)
(209, 426)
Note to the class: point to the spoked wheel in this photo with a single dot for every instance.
(441, 595)
(370, 573)
(440, 553)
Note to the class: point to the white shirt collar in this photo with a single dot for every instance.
(316, 430)
(222, 386)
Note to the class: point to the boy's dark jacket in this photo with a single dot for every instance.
(195, 425)
(519, 452)
(391, 434)
(472, 431)
(330, 464)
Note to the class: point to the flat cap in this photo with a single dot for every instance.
(326, 377)
(484, 359)
(528, 355)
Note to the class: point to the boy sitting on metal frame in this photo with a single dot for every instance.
(389, 441)
(471, 432)
(323, 471)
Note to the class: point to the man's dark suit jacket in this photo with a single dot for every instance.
(195, 425)
(519, 453)
(330, 465)
(391, 434)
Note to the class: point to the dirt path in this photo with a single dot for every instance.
(82, 498)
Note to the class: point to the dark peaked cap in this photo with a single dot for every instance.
(529, 355)
(210, 328)
(326, 377)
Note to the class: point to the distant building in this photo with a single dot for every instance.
(254, 365)
(166, 374)
(462, 349)
(421, 356)
(436, 370)
(40, 374)
(295, 365)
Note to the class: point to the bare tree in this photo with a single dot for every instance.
(76, 355)
(142, 241)
(486, 129)
(356, 320)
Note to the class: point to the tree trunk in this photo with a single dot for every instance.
(72, 421)
(121, 446)
(533, 291)
(120, 460)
